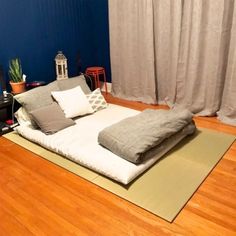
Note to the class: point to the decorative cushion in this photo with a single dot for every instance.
(70, 83)
(73, 102)
(96, 100)
(51, 118)
(37, 97)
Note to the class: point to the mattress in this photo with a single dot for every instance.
(79, 144)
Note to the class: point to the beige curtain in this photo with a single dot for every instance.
(190, 50)
(132, 49)
(227, 112)
(205, 35)
(167, 35)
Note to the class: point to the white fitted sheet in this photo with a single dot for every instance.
(79, 143)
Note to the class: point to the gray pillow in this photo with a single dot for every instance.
(37, 97)
(73, 82)
(51, 118)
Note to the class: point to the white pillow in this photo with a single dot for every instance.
(73, 102)
(22, 116)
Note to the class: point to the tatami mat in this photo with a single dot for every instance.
(167, 186)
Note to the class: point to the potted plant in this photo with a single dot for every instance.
(17, 79)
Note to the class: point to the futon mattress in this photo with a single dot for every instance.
(80, 144)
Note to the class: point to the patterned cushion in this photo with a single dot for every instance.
(96, 100)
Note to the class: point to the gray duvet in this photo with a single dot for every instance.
(135, 138)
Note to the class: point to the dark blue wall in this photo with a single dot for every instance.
(34, 30)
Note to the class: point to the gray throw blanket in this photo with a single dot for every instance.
(133, 137)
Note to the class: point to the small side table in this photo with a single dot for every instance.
(5, 113)
(5, 108)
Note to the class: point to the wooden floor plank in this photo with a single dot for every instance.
(39, 198)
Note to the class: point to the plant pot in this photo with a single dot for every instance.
(18, 87)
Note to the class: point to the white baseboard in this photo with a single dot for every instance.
(109, 85)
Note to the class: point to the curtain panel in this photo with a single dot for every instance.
(132, 49)
(227, 112)
(175, 52)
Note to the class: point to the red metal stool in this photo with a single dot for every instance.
(96, 71)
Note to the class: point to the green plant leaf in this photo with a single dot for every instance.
(15, 70)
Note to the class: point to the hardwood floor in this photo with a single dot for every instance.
(40, 198)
